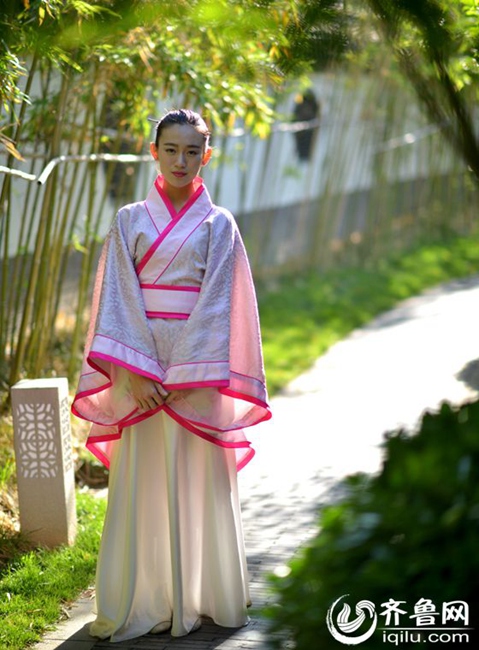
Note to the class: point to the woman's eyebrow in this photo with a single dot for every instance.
(188, 146)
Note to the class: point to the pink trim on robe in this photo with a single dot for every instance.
(159, 184)
(168, 314)
(169, 301)
(175, 221)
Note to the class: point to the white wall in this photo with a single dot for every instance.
(355, 136)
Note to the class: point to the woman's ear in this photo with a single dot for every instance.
(206, 156)
(154, 150)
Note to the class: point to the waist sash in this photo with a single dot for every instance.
(164, 301)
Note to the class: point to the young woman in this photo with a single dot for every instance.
(172, 374)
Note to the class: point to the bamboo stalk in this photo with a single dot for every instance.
(19, 356)
(68, 222)
(84, 273)
(39, 332)
(272, 153)
(333, 174)
(256, 250)
(82, 290)
(29, 231)
(16, 270)
(22, 263)
(54, 281)
(5, 200)
(6, 220)
(35, 298)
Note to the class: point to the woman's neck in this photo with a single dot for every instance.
(178, 195)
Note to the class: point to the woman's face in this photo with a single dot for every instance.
(181, 153)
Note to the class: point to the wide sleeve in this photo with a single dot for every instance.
(119, 336)
(218, 355)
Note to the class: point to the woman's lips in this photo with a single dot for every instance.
(179, 174)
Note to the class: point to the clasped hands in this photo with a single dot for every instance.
(149, 394)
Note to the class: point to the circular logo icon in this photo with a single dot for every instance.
(343, 630)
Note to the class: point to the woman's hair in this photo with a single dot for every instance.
(182, 116)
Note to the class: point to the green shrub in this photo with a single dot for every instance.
(409, 532)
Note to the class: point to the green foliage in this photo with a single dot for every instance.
(221, 55)
(35, 585)
(304, 315)
(435, 45)
(408, 533)
(319, 34)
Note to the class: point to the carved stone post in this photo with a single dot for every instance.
(43, 451)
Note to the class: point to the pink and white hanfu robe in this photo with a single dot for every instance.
(174, 301)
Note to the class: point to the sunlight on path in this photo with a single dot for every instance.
(331, 419)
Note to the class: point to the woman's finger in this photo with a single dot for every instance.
(161, 390)
(150, 401)
(172, 396)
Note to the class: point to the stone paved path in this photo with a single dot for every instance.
(328, 423)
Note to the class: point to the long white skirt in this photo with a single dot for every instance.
(172, 546)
